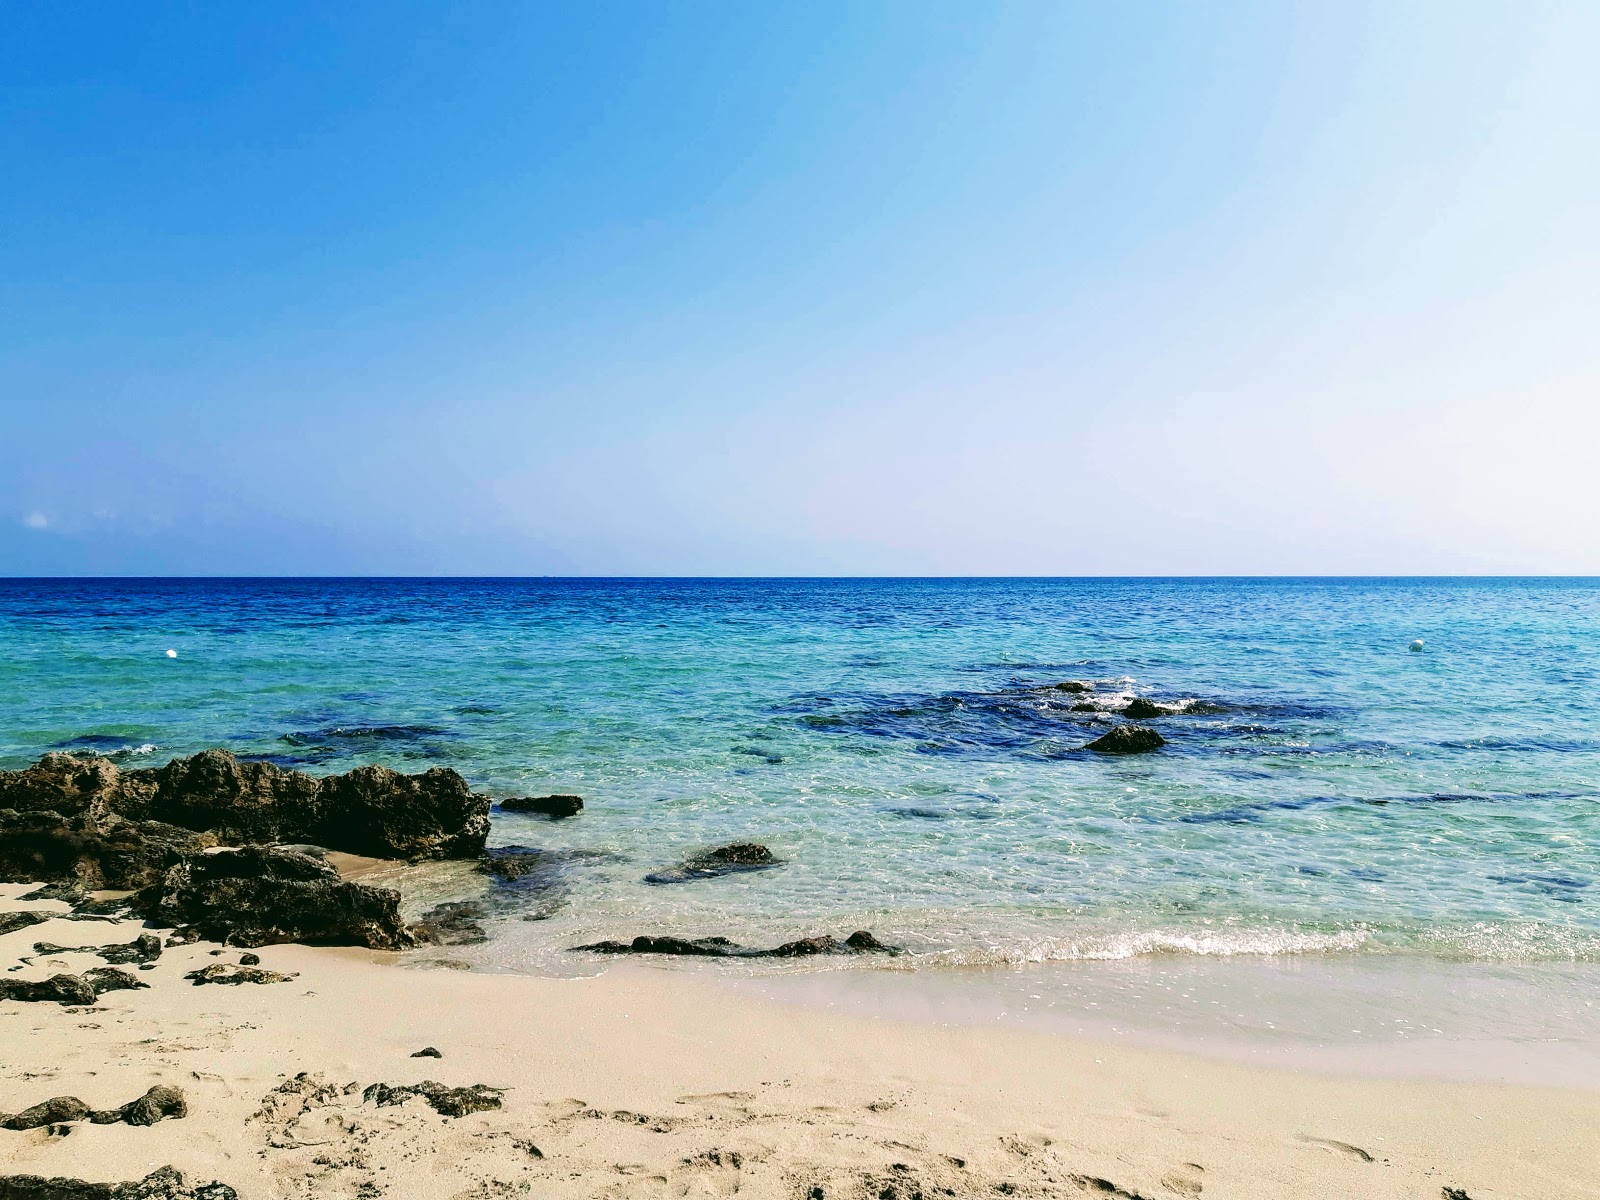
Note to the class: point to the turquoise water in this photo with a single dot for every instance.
(899, 744)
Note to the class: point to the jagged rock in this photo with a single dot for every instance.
(145, 948)
(860, 942)
(427, 1052)
(69, 989)
(55, 1111)
(231, 973)
(449, 1102)
(155, 1105)
(259, 895)
(554, 807)
(371, 810)
(10, 922)
(1140, 709)
(70, 892)
(90, 850)
(184, 935)
(165, 1183)
(1128, 739)
(723, 860)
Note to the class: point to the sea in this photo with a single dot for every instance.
(1376, 817)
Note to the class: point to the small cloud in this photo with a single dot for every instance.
(36, 520)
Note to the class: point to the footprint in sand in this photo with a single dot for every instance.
(1338, 1147)
(1186, 1180)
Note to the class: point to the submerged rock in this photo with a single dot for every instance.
(1128, 739)
(722, 860)
(454, 923)
(259, 895)
(165, 1183)
(1140, 709)
(860, 942)
(447, 1101)
(554, 807)
(1074, 685)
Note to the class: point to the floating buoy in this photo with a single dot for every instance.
(1416, 647)
(174, 653)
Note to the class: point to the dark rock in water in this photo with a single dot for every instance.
(69, 989)
(513, 863)
(1074, 685)
(860, 942)
(427, 1052)
(554, 807)
(449, 1102)
(67, 818)
(231, 973)
(157, 1104)
(1128, 739)
(261, 894)
(93, 851)
(1085, 708)
(10, 922)
(145, 948)
(723, 860)
(58, 1110)
(1140, 709)
(249, 960)
(454, 923)
(166, 1183)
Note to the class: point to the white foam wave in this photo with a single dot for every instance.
(1156, 942)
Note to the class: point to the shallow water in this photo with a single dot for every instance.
(900, 744)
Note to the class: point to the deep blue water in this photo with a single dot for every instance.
(900, 744)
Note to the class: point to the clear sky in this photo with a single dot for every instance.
(814, 288)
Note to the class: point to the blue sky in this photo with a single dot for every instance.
(832, 288)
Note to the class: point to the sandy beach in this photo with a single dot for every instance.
(645, 1082)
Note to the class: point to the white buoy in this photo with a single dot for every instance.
(1416, 647)
(174, 653)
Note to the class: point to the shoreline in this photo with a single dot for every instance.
(639, 1081)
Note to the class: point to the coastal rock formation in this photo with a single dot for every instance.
(554, 807)
(70, 818)
(93, 851)
(164, 1183)
(1140, 709)
(10, 922)
(722, 860)
(157, 1104)
(449, 1102)
(69, 989)
(263, 894)
(145, 948)
(230, 973)
(860, 942)
(1128, 739)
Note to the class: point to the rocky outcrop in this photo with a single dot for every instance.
(234, 974)
(143, 949)
(1128, 739)
(165, 1183)
(69, 989)
(1140, 709)
(157, 1104)
(10, 922)
(449, 1102)
(860, 942)
(554, 807)
(91, 850)
(723, 860)
(259, 895)
(1074, 685)
(71, 818)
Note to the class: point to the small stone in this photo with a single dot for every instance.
(427, 1052)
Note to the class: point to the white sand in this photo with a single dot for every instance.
(644, 1082)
